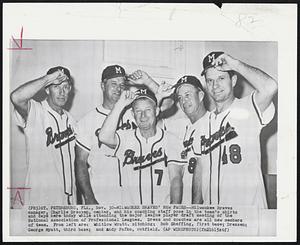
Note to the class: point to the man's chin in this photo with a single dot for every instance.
(115, 97)
(144, 126)
(219, 98)
(188, 110)
(61, 103)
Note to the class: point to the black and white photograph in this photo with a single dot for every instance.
(143, 136)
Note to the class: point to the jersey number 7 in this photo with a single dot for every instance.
(160, 174)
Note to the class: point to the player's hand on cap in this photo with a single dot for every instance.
(139, 77)
(225, 62)
(127, 96)
(165, 89)
(56, 77)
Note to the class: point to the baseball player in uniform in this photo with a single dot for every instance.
(189, 93)
(232, 175)
(165, 95)
(149, 156)
(98, 172)
(50, 139)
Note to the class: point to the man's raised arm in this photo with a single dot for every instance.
(162, 91)
(265, 86)
(21, 96)
(107, 134)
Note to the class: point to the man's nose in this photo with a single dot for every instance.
(215, 83)
(61, 91)
(119, 88)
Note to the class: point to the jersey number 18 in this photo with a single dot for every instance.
(234, 154)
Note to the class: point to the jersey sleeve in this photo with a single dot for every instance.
(83, 134)
(34, 109)
(173, 148)
(267, 115)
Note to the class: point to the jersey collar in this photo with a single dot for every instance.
(195, 124)
(221, 114)
(100, 109)
(46, 106)
(152, 139)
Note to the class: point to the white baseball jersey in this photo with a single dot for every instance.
(105, 171)
(145, 165)
(229, 143)
(50, 144)
(184, 130)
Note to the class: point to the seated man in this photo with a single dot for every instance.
(151, 164)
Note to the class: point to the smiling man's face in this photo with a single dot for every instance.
(219, 84)
(112, 88)
(189, 99)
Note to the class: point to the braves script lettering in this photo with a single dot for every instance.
(59, 137)
(187, 145)
(127, 125)
(188, 142)
(225, 133)
(130, 158)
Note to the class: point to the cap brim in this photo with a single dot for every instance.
(203, 72)
(114, 76)
(145, 96)
(67, 80)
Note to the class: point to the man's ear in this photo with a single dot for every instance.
(47, 90)
(234, 80)
(201, 95)
(102, 85)
(157, 111)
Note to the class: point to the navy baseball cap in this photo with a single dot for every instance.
(56, 68)
(145, 93)
(65, 71)
(188, 80)
(209, 60)
(113, 71)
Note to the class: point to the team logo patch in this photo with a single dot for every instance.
(211, 58)
(143, 91)
(118, 70)
(183, 80)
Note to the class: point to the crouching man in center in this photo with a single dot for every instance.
(151, 165)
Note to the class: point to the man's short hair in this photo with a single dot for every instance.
(231, 73)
